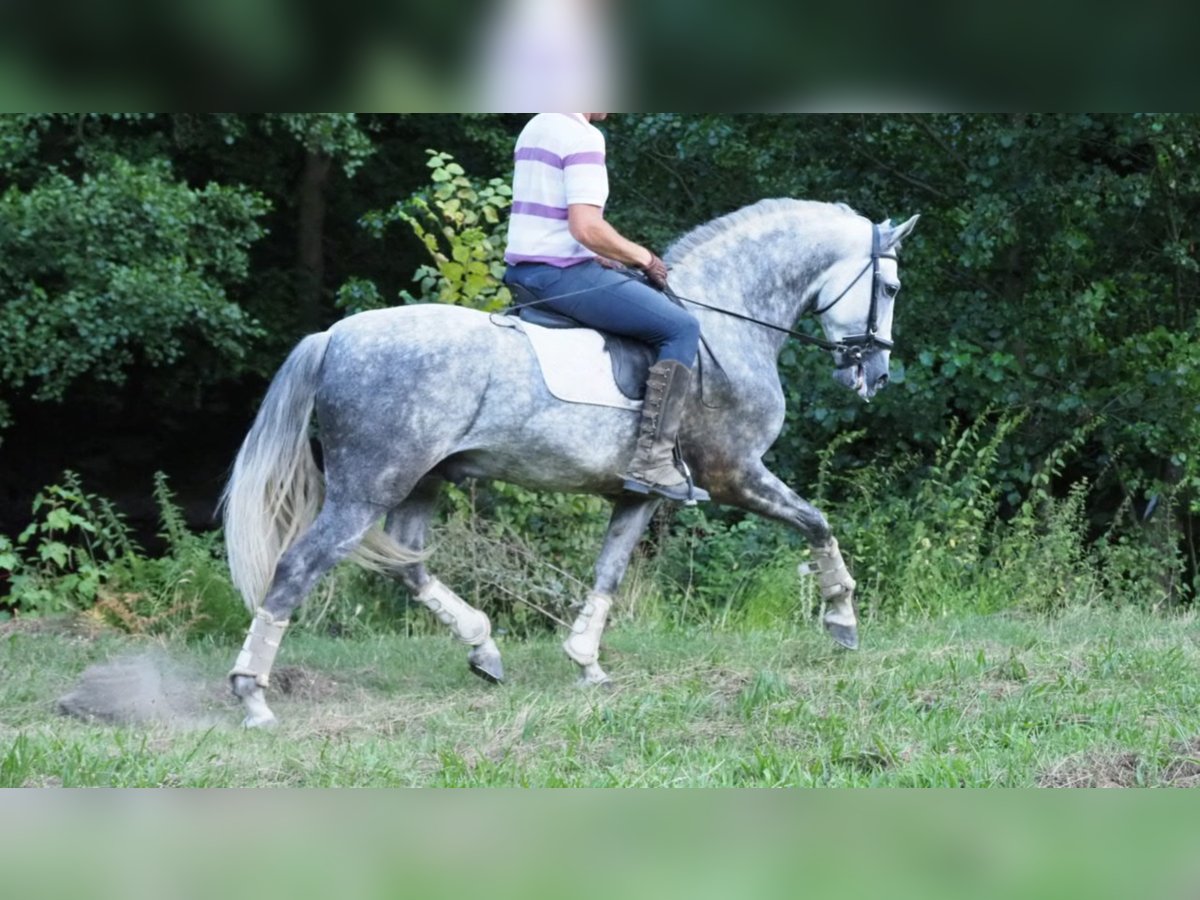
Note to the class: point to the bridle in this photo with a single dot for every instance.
(854, 347)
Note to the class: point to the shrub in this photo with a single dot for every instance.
(79, 556)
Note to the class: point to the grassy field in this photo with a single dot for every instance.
(1090, 698)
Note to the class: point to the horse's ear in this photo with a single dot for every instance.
(894, 234)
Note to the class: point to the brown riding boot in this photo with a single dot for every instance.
(653, 468)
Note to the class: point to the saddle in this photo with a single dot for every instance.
(631, 359)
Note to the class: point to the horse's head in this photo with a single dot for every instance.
(856, 304)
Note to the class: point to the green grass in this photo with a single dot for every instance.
(1091, 697)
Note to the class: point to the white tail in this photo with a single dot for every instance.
(276, 489)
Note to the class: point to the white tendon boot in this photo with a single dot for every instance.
(468, 624)
(583, 645)
(255, 661)
(837, 592)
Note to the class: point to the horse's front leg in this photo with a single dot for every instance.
(630, 516)
(760, 491)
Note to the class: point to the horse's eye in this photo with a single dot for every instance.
(891, 289)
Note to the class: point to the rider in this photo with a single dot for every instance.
(560, 248)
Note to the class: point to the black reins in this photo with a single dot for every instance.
(852, 348)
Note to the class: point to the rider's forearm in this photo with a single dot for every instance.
(589, 228)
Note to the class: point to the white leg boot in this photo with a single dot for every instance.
(837, 593)
(251, 671)
(468, 624)
(583, 645)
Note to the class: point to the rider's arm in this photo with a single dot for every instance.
(589, 228)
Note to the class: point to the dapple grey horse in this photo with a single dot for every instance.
(409, 397)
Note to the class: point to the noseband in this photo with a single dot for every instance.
(856, 346)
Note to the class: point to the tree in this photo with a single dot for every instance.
(115, 263)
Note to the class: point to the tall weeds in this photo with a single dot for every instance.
(932, 539)
(922, 537)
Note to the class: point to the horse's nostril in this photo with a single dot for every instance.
(881, 381)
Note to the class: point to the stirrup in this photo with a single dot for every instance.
(695, 494)
(686, 493)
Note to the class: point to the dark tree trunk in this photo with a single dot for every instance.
(310, 269)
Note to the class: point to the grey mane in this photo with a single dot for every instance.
(702, 234)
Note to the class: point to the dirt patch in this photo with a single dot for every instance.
(1111, 770)
(1184, 769)
(302, 683)
(1124, 770)
(137, 689)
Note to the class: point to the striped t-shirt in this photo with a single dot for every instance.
(559, 161)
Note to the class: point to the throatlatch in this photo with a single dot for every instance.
(262, 644)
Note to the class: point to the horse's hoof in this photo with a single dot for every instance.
(254, 701)
(843, 635)
(594, 677)
(485, 662)
(260, 720)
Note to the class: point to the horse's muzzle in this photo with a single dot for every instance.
(866, 378)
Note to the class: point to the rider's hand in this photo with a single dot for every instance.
(656, 271)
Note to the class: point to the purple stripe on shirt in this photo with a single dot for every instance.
(561, 261)
(538, 209)
(537, 154)
(592, 157)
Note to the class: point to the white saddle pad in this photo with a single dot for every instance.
(575, 365)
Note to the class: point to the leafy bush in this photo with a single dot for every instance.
(461, 223)
(725, 570)
(123, 264)
(79, 556)
(65, 555)
(187, 590)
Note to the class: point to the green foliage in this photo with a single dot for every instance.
(336, 135)
(937, 539)
(61, 560)
(461, 223)
(184, 591)
(78, 556)
(358, 295)
(120, 265)
(718, 571)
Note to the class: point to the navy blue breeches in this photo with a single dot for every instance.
(610, 300)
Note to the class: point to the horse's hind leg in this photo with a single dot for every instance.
(406, 525)
(336, 532)
(630, 516)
